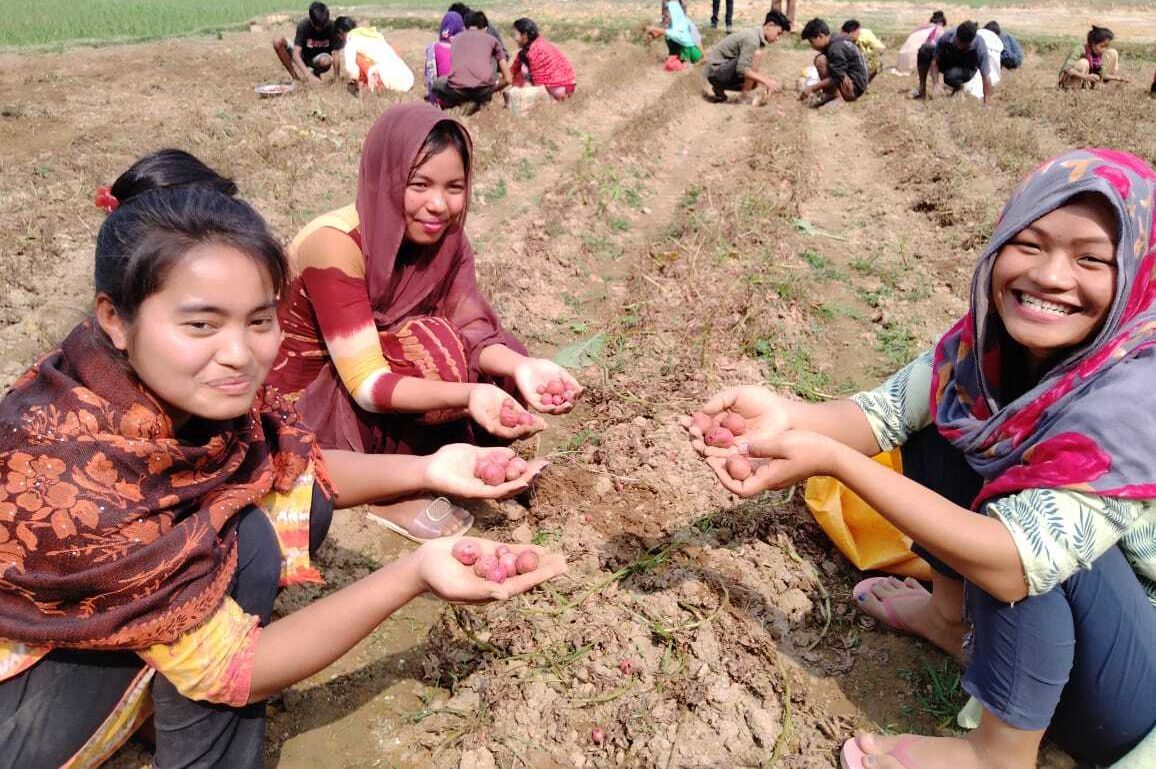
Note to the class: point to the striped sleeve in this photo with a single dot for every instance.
(341, 304)
(901, 405)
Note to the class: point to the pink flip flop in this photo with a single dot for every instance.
(891, 618)
(851, 757)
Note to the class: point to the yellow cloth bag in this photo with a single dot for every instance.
(867, 539)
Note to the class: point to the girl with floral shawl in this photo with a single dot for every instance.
(155, 496)
(1036, 411)
(390, 345)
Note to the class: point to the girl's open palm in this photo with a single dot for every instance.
(451, 472)
(455, 582)
(485, 407)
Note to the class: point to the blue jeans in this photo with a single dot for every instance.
(1079, 660)
(50, 710)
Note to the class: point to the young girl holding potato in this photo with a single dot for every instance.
(1035, 411)
(390, 347)
(156, 495)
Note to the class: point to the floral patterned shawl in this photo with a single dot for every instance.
(114, 534)
(1090, 424)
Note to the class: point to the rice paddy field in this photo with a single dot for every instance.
(680, 247)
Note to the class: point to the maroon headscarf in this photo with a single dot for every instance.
(439, 280)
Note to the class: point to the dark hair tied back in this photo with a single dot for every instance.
(939, 18)
(528, 28)
(169, 203)
(168, 168)
(1097, 35)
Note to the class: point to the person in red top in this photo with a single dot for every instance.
(545, 64)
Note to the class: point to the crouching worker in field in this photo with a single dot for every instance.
(733, 63)
(841, 68)
(1012, 55)
(390, 347)
(683, 42)
(370, 63)
(1092, 63)
(868, 44)
(959, 54)
(479, 67)
(158, 495)
(541, 71)
(311, 53)
(1029, 444)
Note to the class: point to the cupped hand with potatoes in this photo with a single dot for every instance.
(778, 462)
(733, 418)
(547, 386)
(500, 414)
(444, 571)
(454, 470)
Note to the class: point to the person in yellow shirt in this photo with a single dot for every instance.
(869, 45)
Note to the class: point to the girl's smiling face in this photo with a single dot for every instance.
(205, 341)
(1053, 283)
(435, 196)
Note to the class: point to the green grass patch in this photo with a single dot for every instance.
(937, 690)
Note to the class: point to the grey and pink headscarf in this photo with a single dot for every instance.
(1090, 423)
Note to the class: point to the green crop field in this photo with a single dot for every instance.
(50, 22)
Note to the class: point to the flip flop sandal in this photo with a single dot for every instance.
(851, 757)
(891, 617)
(430, 522)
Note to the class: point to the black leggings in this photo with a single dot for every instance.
(51, 710)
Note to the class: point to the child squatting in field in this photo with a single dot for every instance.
(841, 68)
(154, 482)
(1028, 438)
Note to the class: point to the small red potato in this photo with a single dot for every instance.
(501, 550)
(486, 564)
(491, 474)
(467, 551)
(515, 469)
(701, 421)
(526, 561)
(719, 437)
(598, 735)
(738, 468)
(626, 667)
(509, 562)
(735, 423)
(556, 387)
(497, 574)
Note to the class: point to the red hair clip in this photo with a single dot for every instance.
(105, 200)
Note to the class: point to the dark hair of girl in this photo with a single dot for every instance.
(446, 133)
(168, 168)
(939, 18)
(528, 28)
(169, 203)
(1098, 35)
(850, 25)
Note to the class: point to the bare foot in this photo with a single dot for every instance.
(907, 606)
(908, 751)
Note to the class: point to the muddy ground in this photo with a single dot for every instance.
(693, 246)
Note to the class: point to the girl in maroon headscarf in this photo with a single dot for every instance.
(389, 346)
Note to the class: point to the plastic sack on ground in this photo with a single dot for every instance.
(865, 537)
